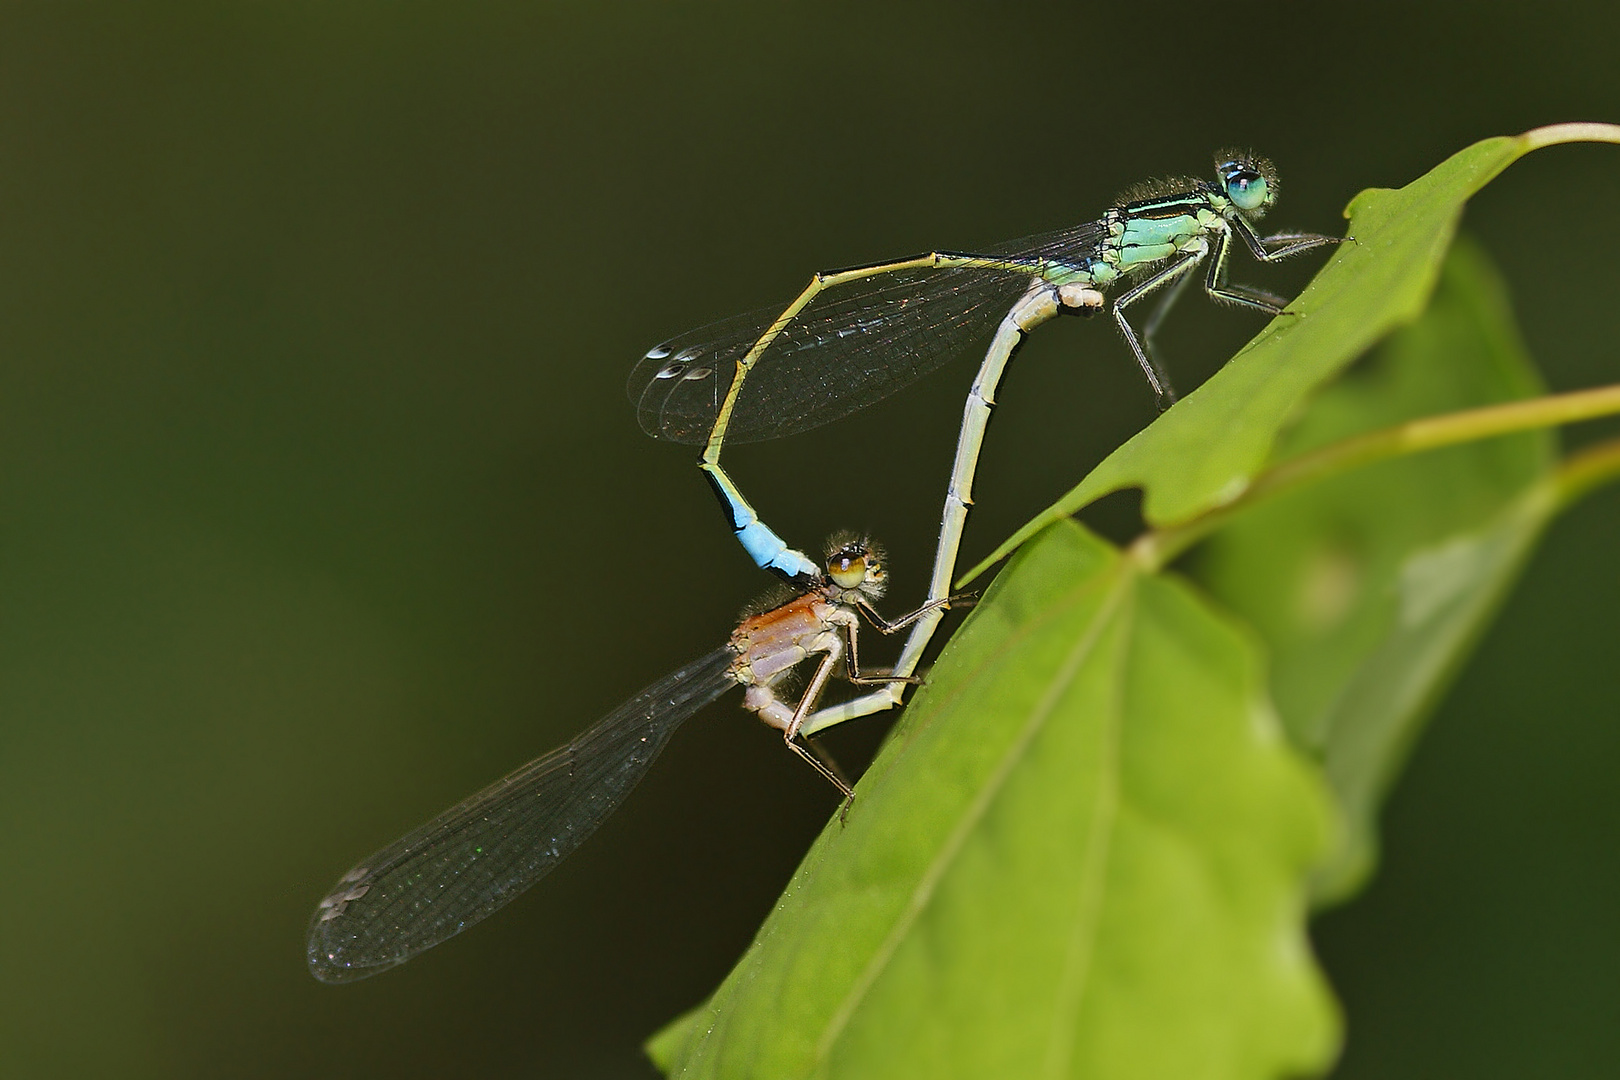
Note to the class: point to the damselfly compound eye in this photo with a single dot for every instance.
(1249, 181)
(1247, 190)
(847, 568)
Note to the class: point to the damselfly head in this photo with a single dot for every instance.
(856, 564)
(1248, 179)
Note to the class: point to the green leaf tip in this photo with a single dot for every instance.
(1206, 450)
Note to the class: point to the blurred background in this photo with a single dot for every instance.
(321, 504)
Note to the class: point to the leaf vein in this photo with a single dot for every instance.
(976, 810)
(1076, 973)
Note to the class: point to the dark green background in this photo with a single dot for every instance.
(321, 504)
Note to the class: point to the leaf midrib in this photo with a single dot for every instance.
(930, 879)
(1076, 974)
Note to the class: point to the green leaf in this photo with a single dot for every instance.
(1083, 852)
(1369, 588)
(1205, 451)
(1086, 848)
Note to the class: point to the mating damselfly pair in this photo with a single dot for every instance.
(850, 338)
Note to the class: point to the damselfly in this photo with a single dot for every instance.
(481, 854)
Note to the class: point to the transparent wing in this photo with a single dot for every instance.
(481, 854)
(853, 345)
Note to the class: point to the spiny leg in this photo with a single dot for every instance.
(812, 692)
(1156, 378)
(1150, 329)
(825, 757)
(1219, 289)
(883, 626)
(831, 776)
(852, 664)
(1292, 242)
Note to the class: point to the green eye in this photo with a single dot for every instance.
(1247, 190)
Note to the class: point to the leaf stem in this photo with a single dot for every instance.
(1158, 547)
(1553, 134)
(1586, 470)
